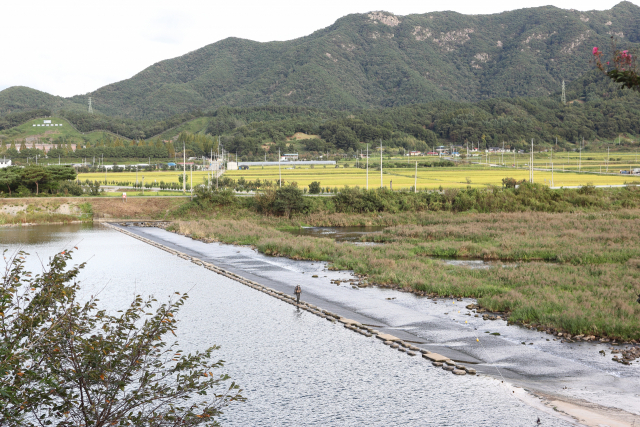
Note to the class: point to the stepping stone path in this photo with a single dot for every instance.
(388, 339)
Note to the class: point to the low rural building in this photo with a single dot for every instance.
(287, 157)
(5, 163)
(442, 150)
(298, 163)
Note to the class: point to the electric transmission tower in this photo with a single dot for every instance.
(563, 99)
(91, 109)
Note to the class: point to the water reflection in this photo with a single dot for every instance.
(40, 234)
(339, 234)
(296, 369)
(358, 235)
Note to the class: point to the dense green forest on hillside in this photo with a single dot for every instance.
(600, 111)
(132, 129)
(365, 61)
(18, 99)
(15, 119)
(606, 113)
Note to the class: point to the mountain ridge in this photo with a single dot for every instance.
(367, 60)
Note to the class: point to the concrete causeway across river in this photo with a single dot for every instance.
(564, 376)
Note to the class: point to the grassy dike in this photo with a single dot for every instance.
(590, 287)
(47, 210)
(15, 212)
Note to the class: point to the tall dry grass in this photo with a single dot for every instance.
(596, 298)
(36, 218)
(582, 238)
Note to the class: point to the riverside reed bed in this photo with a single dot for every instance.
(43, 210)
(37, 218)
(597, 299)
(589, 233)
(289, 201)
(583, 238)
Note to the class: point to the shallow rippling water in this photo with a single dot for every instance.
(296, 369)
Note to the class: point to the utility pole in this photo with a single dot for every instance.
(607, 171)
(552, 167)
(184, 168)
(580, 158)
(279, 172)
(415, 182)
(531, 164)
(381, 183)
(367, 166)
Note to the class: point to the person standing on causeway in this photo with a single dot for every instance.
(298, 291)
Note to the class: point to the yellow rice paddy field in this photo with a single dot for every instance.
(154, 177)
(599, 162)
(428, 178)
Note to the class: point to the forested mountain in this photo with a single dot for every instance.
(19, 99)
(369, 60)
(601, 111)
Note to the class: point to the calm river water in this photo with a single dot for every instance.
(296, 369)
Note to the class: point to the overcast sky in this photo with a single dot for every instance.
(71, 47)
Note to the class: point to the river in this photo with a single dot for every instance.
(300, 370)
